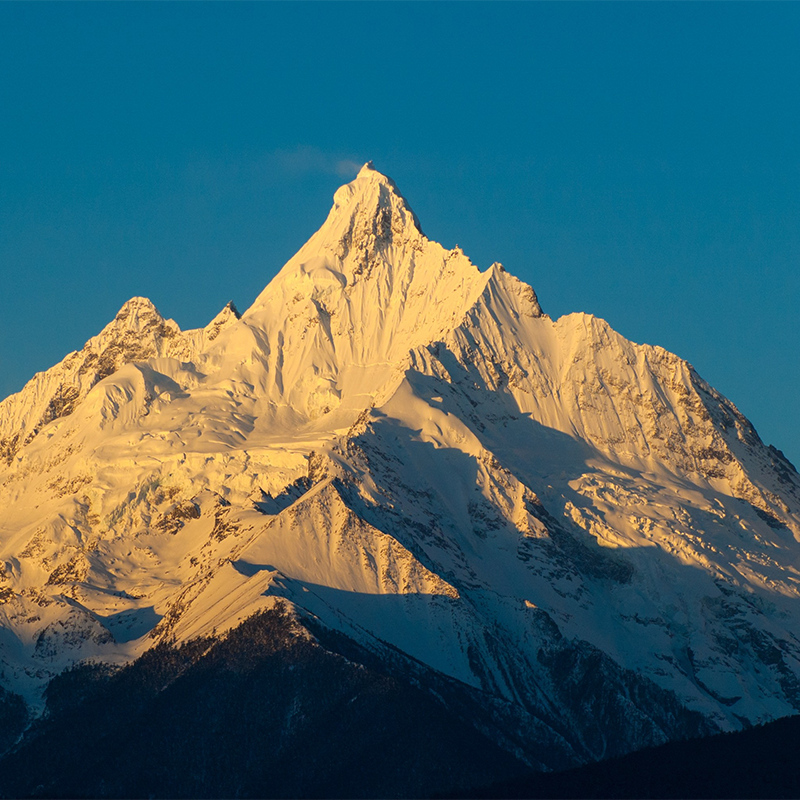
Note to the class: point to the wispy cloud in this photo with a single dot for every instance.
(282, 164)
(305, 159)
(347, 167)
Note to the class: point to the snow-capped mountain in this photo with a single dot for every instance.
(577, 530)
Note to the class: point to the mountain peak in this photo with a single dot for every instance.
(137, 306)
(371, 201)
(368, 169)
(371, 237)
(375, 177)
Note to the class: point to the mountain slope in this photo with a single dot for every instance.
(408, 451)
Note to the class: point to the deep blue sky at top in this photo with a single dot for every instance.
(637, 161)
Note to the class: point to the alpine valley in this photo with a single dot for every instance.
(393, 531)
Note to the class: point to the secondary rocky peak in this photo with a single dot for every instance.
(231, 307)
(137, 307)
(524, 297)
(229, 312)
(226, 317)
(137, 332)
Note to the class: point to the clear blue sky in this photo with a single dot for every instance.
(637, 161)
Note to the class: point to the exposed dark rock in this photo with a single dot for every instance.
(174, 520)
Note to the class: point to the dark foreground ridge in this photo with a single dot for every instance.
(758, 763)
(266, 711)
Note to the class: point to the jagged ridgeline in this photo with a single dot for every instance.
(539, 540)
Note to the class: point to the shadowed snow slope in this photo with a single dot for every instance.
(407, 450)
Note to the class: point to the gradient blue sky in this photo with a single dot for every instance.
(637, 161)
